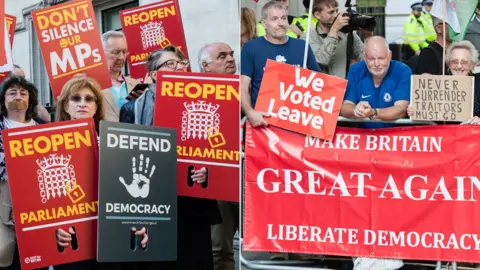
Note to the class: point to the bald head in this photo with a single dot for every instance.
(217, 58)
(377, 56)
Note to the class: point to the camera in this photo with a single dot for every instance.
(357, 21)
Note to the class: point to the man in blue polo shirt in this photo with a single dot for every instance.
(378, 87)
(274, 45)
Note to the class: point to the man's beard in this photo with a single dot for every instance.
(20, 105)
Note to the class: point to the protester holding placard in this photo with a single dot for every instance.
(18, 99)
(195, 215)
(274, 45)
(42, 113)
(116, 51)
(460, 59)
(378, 88)
(80, 98)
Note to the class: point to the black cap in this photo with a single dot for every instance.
(417, 6)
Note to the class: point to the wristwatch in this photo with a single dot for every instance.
(374, 115)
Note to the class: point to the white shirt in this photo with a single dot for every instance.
(14, 124)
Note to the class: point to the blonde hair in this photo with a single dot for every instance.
(249, 20)
(71, 88)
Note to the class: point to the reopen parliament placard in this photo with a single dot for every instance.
(52, 172)
(205, 110)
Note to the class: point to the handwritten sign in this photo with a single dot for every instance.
(70, 43)
(442, 98)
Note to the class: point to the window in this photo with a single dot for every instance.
(111, 16)
(376, 9)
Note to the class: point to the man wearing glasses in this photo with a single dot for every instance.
(116, 51)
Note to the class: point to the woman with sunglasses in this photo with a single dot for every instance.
(18, 100)
(80, 98)
(195, 215)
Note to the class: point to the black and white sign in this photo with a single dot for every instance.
(137, 189)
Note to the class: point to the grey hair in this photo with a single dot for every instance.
(385, 42)
(111, 34)
(204, 56)
(272, 4)
(464, 44)
(436, 20)
(152, 60)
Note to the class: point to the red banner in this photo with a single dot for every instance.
(53, 176)
(205, 110)
(408, 193)
(301, 100)
(149, 28)
(70, 42)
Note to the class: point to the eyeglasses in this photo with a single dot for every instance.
(461, 62)
(87, 98)
(173, 64)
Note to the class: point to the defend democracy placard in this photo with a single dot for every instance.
(138, 188)
(409, 192)
(149, 28)
(442, 98)
(205, 110)
(301, 100)
(70, 43)
(52, 172)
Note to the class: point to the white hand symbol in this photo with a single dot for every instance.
(140, 186)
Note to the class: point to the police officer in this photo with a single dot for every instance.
(426, 19)
(302, 21)
(413, 30)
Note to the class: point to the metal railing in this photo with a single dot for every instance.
(301, 264)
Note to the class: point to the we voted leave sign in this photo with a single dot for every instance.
(301, 100)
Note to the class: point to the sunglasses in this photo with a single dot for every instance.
(87, 98)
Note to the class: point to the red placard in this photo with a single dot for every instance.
(387, 193)
(301, 100)
(149, 28)
(11, 22)
(3, 56)
(70, 43)
(53, 175)
(205, 110)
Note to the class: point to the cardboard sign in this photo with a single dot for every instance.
(301, 100)
(368, 193)
(70, 42)
(138, 188)
(205, 110)
(442, 98)
(149, 28)
(11, 23)
(52, 171)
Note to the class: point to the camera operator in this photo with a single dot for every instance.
(329, 43)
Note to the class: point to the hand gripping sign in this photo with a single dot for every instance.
(149, 28)
(70, 42)
(52, 172)
(301, 100)
(140, 191)
(205, 110)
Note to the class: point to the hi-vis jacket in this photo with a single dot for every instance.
(302, 22)
(428, 29)
(413, 34)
